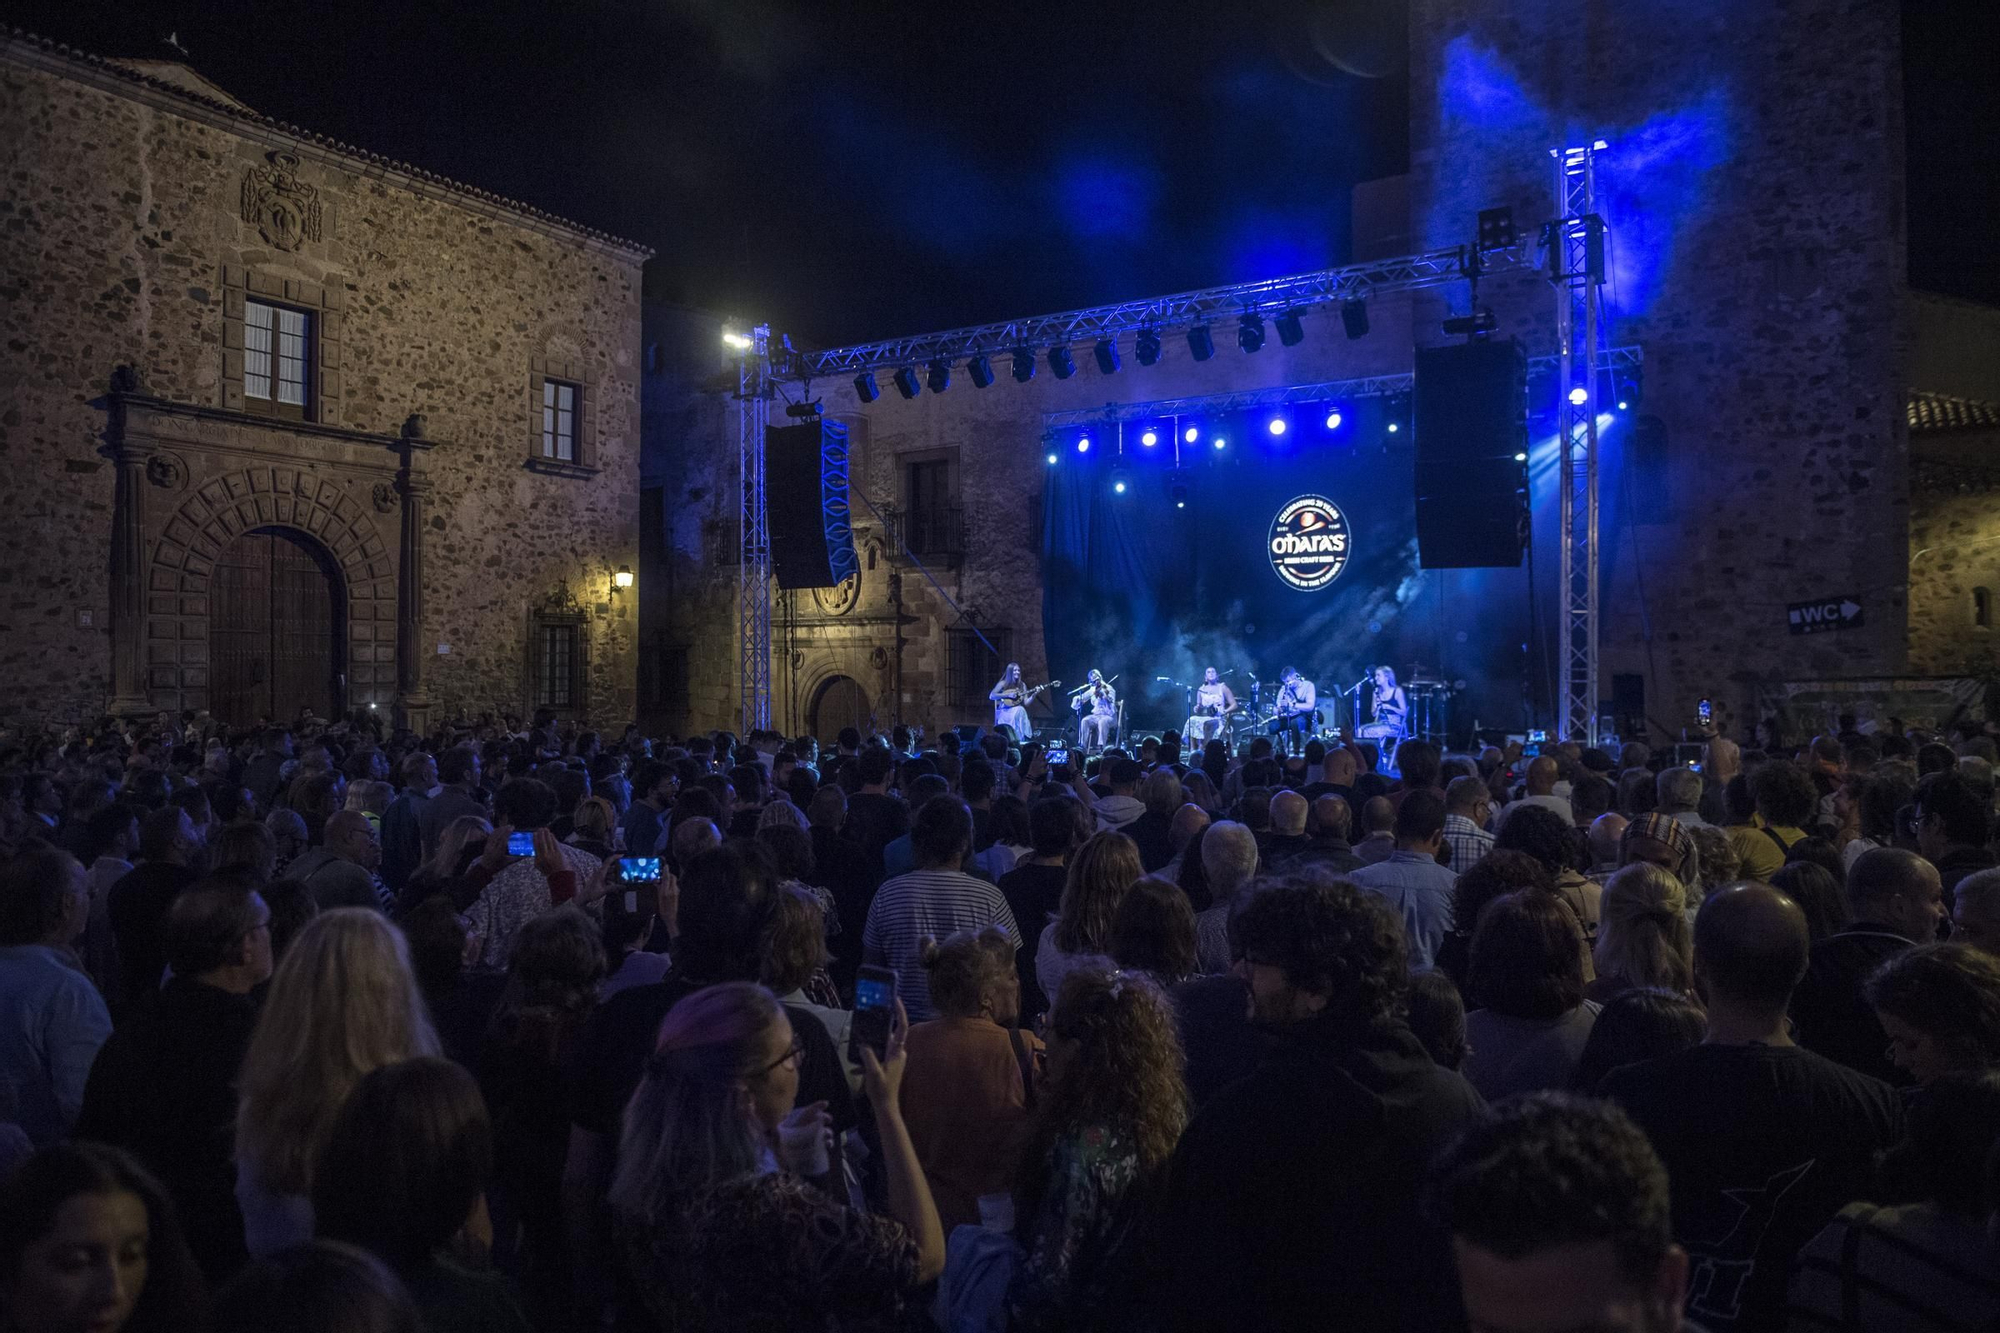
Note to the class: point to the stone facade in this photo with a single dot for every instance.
(141, 217)
(1758, 204)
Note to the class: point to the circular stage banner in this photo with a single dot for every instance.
(1309, 543)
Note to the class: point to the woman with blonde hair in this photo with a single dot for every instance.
(718, 1224)
(344, 1002)
(1108, 1115)
(441, 869)
(591, 827)
(1099, 874)
(1643, 939)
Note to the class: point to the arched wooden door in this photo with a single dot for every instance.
(839, 702)
(277, 637)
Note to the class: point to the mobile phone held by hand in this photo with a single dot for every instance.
(874, 1012)
(520, 844)
(1058, 756)
(638, 869)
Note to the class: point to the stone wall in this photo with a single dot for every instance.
(133, 220)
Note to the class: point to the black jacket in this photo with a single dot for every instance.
(1292, 1201)
(164, 1089)
(1829, 1015)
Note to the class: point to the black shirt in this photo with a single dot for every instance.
(611, 1057)
(138, 904)
(1831, 1016)
(1764, 1144)
(873, 822)
(1034, 893)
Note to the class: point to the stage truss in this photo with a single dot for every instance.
(1576, 270)
(753, 571)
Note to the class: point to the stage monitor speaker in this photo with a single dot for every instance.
(805, 489)
(1471, 481)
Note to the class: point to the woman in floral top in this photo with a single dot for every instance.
(719, 1226)
(1113, 1105)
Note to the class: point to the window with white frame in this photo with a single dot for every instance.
(277, 344)
(559, 420)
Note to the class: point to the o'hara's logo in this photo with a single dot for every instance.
(1309, 542)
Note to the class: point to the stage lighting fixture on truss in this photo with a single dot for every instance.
(1191, 434)
(1149, 437)
(906, 382)
(1201, 342)
(1277, 426)
(1354, 318)
(1333, 418)
(940, 375)
(1083, 443)
(1250, 331)
(981, 371)
(1479, 324)
(1061, 362)
(1630, 391)
(1121, 480)
(806, 411)
(1496, 228)
(1106, 353)
(1024, 365)
(1053, 455)
(1177, 488)
(1146, 346)
(1579, 395)
(1290, 332)
(1220, 441)
(865, 387)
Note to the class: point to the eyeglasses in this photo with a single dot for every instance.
(792, 1056)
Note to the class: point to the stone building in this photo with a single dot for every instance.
(292, 426)
(1753, 177)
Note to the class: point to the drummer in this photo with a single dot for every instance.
(1213, 703)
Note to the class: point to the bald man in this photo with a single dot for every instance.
(1328, 824)
(1378, 829)
(1764, 1140)
(1976, 911)
(341, 871)
(1189, 820)
(1287, 837)
(1606, 832)
(1542, 774)
(1895, 900)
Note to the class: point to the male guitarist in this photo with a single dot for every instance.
(1010, 702)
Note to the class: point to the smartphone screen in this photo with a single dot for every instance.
(1058, 756)
(520, 844)
(638, 869)
(1705, 710)
(874, 1011)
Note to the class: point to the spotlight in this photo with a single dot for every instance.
(1289, 331)
(1333, 419)
(1061, 362)
(1177, 489)
(865, 387)
(1121, 480)
(1024, 365)
(1496, 228)
(1629, 392)
(1106, 352)
(1150, 438)
(1579, 396)
(906, 382)
(1201, 342)
(1393, 428)
(1146, 346)
(981, 371)
(1250, 331)
(1277, 426)
(1521, 457)
(940, 376)
(1478, 324)
(1083, 443)
(1221, 442)
(1191, 434)
(1052, 458)
(1119, 486)
(1354, 317)
(742, 342)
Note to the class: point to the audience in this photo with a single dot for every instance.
(935, 899)
(1636, 1025)
(1895, 900)
(1100, 874)
(52, 1020)
(1228, 862)
(322, 1287)
(1528, 1020)
(1939, 1004)
(1644, 939)
(1153, 932)
(1411, 880)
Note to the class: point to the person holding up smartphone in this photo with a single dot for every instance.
(712, 1204)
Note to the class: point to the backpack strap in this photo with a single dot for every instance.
(1772, 834)
(1026, 1061)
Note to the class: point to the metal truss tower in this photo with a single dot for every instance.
(1576, 269)
(753, 572)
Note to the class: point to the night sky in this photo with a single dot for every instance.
(850, 171)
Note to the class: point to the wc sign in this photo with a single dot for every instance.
(1821, 617)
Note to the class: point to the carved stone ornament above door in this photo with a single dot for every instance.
(285, 209)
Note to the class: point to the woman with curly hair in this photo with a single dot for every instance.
(1111, 1110)
(1548, 837)
(1099, 875)
(1940, 1005)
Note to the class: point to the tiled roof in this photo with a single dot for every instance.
(1936, 413)
(237, 111)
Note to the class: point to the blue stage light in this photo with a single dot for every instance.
(1106, 352)
(1277, 426)
(1579, 396)
(1221, 442)
(1146, 346)
(1024, 365)
(940, 375)
(1191, 434)
(1083, 444)
(1250, 331)
(981, 371)
(1061, 362)
(906, 382)
(1150, 438)
(1393, 428)
(1333, 419)
(1289, 331)
(1201, 343)
(1521, 458)
(865, 387)
(1118, 486)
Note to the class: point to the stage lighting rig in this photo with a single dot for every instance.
(865, 387)
(1106, 353)
(1479, 324)
(1354, 318)
(1061, 362)
(1146, 346)
(1201, 342)
(1024, 365)
(1177, 488)
(940, 375)
(981, 371)
(803, 411)
(1290, 332)
(906, 382)
(1496, 228)
(1121, 480)
(1250, 331)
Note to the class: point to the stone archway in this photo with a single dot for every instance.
(180, 578)
(837, 702)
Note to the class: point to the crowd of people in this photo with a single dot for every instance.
(501, 1027)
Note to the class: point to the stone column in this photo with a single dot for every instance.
(128, 573)
(412, 703)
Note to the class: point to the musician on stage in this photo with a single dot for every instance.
(1098, 704)
(1010, 704)
(1213, 703)
(1292, 718)
(1390, 713)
